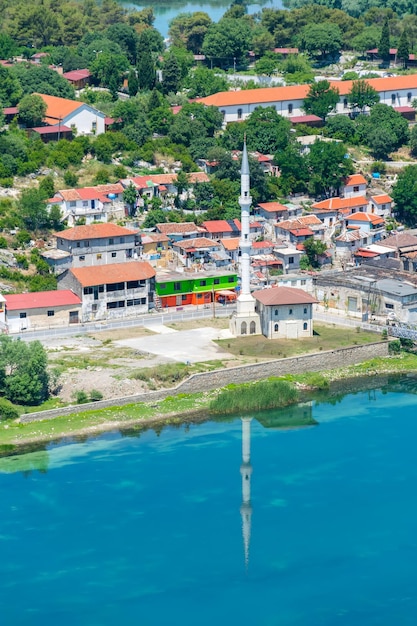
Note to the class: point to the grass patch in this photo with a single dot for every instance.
(265, 394)
(325, 338)
(168, 374)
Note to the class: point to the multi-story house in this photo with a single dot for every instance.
(96, 244)
(108, 291)
(92, 204)
(179, 288)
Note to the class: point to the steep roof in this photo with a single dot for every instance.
(355, 179)
(383, 198)
(94, 231)
(283, 295)
(178, 228)
(299, 92)
(230, 243)
(58, 108)
(41, 299)
(365, 217)
(217, 226)
(75, 75)
(90, 193)
(113, 273)
(198, 242)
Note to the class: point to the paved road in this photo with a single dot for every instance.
(144, 320)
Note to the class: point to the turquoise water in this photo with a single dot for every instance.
(148, 530)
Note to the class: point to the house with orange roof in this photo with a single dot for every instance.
(369, 223)
(395, 91)
(231, 247)
(381, 205)
(162, 185)
(342, 206)
(82, 117)
(97, 245)
(355, 185)
(111, 291)
(176, 231)
(272, 211)
(201, 250)
(220, 229)
(92, 204)
(296, 231)
(42, 309)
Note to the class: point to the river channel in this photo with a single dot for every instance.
(165, 11)
(225, 522)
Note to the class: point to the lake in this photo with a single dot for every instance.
(164, 12)
(306, 527)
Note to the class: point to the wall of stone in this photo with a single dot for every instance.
(208, 381)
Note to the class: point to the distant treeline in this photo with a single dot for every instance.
(356, 8)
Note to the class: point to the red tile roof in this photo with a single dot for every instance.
(337, 204)
(305, 119)
(58, 108)
(283, 295)
(230, 243)
(76, 75)
(50, 130)
(113, 273)
(94, 231)
(366, 217)
(178, 228)
(198, 242)
(355, 179)
(299, 92)
(91, 193)
(258, 245)
(41, 299)
(302, 232)
(272, 207)
(383, 198)
(217, 226)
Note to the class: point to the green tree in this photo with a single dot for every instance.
(362, 95)
(145, 66)
(227, 42)
(384, 130)
(413, 141)
(323, 39)
(32, 110)
(321, 99)
(23, 371)
(47, 186)
(328, 167)
(403, 51)
(171, 74)
(266, 130)
(384, 42)
(293, 168)
(188, 30)
(313, 249)
(340, 127)
(130, 195)
(32, 209)
(203, 82)
(404, 193)
(154, 217)
(132, 83)
(10, 89)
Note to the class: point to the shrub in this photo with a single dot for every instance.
(265, 394)
(394, 346)
(3, 242)
(7, 410)
(81, 397)
(95, 395)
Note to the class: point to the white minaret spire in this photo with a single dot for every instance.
(246, 472)
(245, 202)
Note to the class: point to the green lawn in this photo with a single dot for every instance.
(326, 337)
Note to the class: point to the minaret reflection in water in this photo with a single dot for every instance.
(246, 472)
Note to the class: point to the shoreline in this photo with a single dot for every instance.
(343, 380)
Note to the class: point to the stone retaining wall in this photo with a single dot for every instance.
(207, 381)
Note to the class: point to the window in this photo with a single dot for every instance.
(345, 103)
(184, 297)
(162, 286)
(94, 308)
(132, 284)
(122, 239)
(276, 328)
(252, 328)
(136, 302)
(93, 126)
(116, 305)
(387, 306)
(356, 188)
(22, 315)
(85, 203)
(78, 244)
(113, 255)
(409, 96)
(86, 243)
(293, 283)
(290, 312)
(61, 241)
(73, 204)
(304, 282)
(243, 328)
(217, 281)
(291, 259)
(51, 313)
(99, 257)
(177, 286)
(289, 109)
(239, 114)
(305, 326)
(305, 310)
(81, 257)
(393, 98)
(223, 112)
(115, 287)
(203, 283)
(111, 242)
(231, 279)
(276, 312)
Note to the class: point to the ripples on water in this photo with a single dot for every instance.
(306, 527)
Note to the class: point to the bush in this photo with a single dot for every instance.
(3, 243)
(7, 410)
(265, 394)
(95, 395)
(394, 347)
(81, 397)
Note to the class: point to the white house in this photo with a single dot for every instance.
(285, 312)
(288, 101)
(43, 309)
(82, 117)
(92, 204)
(355, 185)
(381, 205)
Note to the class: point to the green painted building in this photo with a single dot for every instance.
(182, 288)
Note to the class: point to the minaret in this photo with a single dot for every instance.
(245, 321)
(246, 472)
(245, 298)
